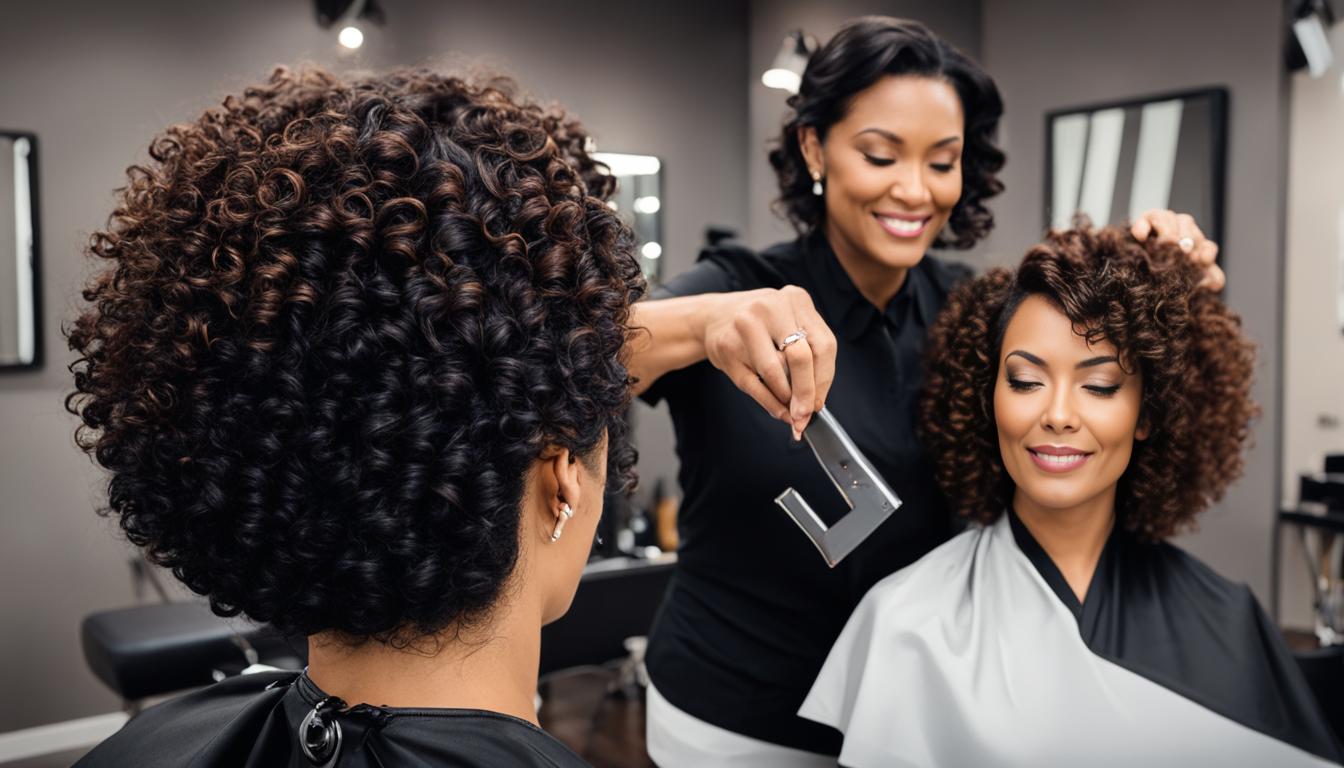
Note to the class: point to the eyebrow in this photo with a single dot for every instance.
(1091, 362)
(889, 136)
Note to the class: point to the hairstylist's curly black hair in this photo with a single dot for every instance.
(339, 321)
(859, 55)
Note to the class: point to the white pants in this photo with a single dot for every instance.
(678, 740)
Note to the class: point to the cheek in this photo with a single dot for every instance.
(1013, 414)
(946, 192)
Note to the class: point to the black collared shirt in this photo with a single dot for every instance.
(753, 609)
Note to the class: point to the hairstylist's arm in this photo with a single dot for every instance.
(739, 334)
(1181, 228)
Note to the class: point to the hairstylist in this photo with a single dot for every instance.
(889, 151)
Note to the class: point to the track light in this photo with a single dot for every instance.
(1309, 46)
(349, 16)
(786, 72)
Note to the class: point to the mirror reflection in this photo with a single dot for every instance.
(638, 200)
(18, 253)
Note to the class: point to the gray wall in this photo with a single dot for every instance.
(95, 80)
(1046, 54)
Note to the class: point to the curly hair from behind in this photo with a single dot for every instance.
(1196, 365)
(338, 320)
(864, 51)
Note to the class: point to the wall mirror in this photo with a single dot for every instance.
(639, 200)
(20, 334)
(1116, 160)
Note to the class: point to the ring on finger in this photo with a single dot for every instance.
(792, 338)
(1186, 243)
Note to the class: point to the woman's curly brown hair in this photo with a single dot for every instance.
(1196, 366)
(864, 51)
(338, 322)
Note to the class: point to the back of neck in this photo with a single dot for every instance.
(491, 667)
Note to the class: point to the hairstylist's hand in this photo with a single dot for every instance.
(743, 340)
(1180, 228)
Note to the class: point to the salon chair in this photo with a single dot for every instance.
(1324, 670)
(1334, 464)
(159, 648)
(617, 599)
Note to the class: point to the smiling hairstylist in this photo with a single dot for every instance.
(889, 151)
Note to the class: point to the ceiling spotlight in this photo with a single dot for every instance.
(786, 72)
(348, 16)
(1308, 45)
(620, 164)
(351, 37)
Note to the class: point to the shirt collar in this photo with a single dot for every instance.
(846, 310)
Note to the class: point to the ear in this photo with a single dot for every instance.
(1144, 429)
(810, 145)
(560, 478)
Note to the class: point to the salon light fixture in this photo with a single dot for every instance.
(649, 204)
(1309, 45)
(351, 37)
(620, 164)
(651, 250)
(350, 17)
(786, 72)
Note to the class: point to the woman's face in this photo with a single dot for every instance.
(892, 169)
(1067, 414)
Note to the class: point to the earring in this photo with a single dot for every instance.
(816, 184)
(560, 524)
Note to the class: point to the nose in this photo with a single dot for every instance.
(1060, 415)
(909, 187)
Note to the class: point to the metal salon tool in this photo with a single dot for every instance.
(868, 497)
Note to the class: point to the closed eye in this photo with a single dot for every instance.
(1101, 391)
(1019, 385)
(878, 161)
(943, 167)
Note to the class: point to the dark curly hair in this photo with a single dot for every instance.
(1195, 362)
(861, 53)
(339, 321)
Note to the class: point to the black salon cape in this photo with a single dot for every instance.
(252, 721)
(980, 654)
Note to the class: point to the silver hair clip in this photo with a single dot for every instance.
(866, 494)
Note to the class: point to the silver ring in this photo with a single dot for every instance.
(1187, 244)
(792, 338)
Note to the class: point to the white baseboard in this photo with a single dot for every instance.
(59, 737)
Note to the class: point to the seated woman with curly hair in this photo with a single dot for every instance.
(354, 366)
(1082, 409)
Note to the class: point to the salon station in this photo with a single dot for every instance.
(742, 384)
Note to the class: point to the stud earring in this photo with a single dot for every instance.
(560, 524)
(816, 184)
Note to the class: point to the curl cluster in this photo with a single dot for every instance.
(337, 323)
(1195, 361)
(861, 53)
